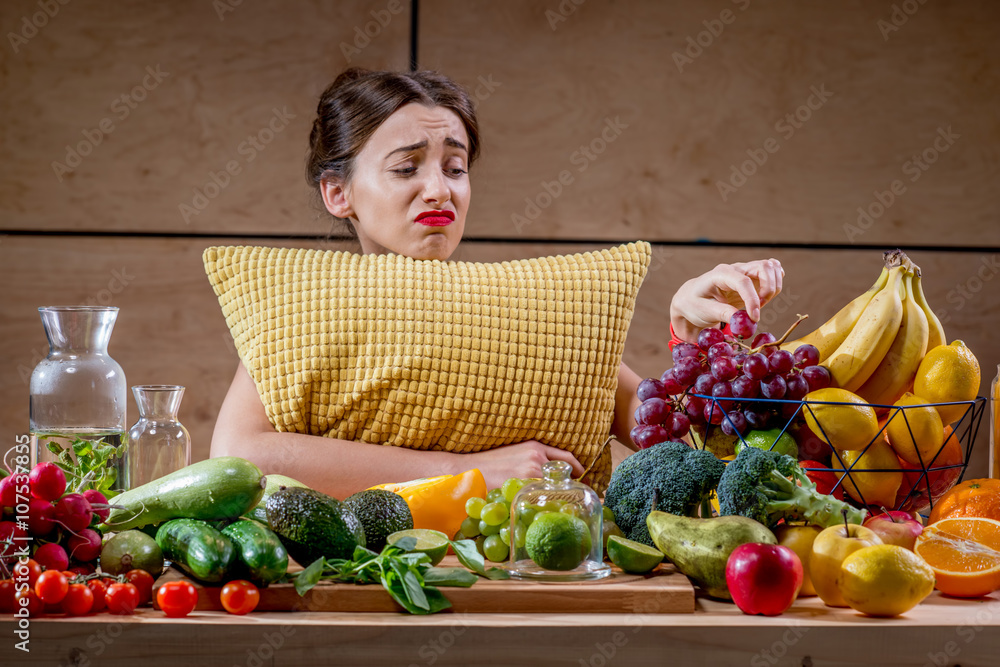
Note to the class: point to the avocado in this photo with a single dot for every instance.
(313, 525)
(382, 513)
(274, 482)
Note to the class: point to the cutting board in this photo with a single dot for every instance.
(663, 591)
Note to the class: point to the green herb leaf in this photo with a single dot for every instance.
(449, 576)
(412, 584)
(408, 543)
(309, 577)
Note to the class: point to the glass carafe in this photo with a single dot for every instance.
(566, 547)
(78, 392)
(158, 443)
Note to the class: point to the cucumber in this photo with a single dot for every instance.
(197, 548)
(274, 482)
(259, 550)
(221, 488)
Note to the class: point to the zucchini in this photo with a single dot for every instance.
(221, 488)
(197, 548)
(261, 554)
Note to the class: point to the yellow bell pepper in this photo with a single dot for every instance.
(438, 503)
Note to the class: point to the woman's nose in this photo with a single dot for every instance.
(436, 188)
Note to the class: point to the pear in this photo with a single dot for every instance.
(700, 548)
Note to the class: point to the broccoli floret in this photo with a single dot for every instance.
(767, 487)
(685, 478)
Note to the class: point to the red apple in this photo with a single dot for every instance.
(895, 527)
(763, 578)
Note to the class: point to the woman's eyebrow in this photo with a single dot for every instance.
(407, 149)
(454, 143)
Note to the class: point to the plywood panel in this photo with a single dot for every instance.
(592, 92)
(204, 88)
(171, 330)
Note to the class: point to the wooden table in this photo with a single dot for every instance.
(940, 631)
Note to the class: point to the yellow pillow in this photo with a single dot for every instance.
(453, 356)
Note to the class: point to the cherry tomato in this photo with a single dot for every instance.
(31, 567)
(122, 599)
(98, 588)
(240, 597)
(143, 582)
(7, 591)
(51, 586)
(34, 604)
(177, 598)
(79, 600)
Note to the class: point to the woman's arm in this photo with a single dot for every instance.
(342, 467)
(626, 403)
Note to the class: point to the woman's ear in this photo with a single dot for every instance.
(335, 198)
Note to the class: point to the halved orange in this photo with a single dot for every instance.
(964, 553)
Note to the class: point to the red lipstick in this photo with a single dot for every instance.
(435, 218)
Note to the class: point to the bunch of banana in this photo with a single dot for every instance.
(874, 345)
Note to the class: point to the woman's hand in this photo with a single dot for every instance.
(713, 297)
(522, 460)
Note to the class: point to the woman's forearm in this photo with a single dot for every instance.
(335, 467)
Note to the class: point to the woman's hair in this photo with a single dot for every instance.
(359, 101)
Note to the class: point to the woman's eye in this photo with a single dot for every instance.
(456, 171)
(405, 171)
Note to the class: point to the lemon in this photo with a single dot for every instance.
(948, 373)
(884, 580)
(871, 488)
(557, 541)
(916, 431)
(765, 439)
(434, 543)
(845, 427)
(631, 556)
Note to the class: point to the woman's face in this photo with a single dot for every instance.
(409, 193)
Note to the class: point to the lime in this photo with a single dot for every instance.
(764, 439)
(434, 543)
(631, 556)
(557, 541)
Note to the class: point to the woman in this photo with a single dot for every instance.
(390, 153)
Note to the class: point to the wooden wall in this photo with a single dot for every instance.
(552, 85)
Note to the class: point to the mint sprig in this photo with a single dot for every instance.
(406, 575)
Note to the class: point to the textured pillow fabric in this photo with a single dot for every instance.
(453, 356)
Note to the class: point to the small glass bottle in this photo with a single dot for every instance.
(78, 392)
(158, 443)
(994, 423)
(557, 549)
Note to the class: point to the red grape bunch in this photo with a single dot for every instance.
(721, 380)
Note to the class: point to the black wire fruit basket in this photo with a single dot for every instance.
(920, 485)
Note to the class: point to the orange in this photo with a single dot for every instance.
(973, 497)
(964, 553)
(940, 476)
(948, 373)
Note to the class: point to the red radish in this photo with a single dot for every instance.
(84, 547)
(98, 503)
(40, 517)
(83, 568)
(8, 490)
(48, 481)
(73, 512)
(51, 556)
